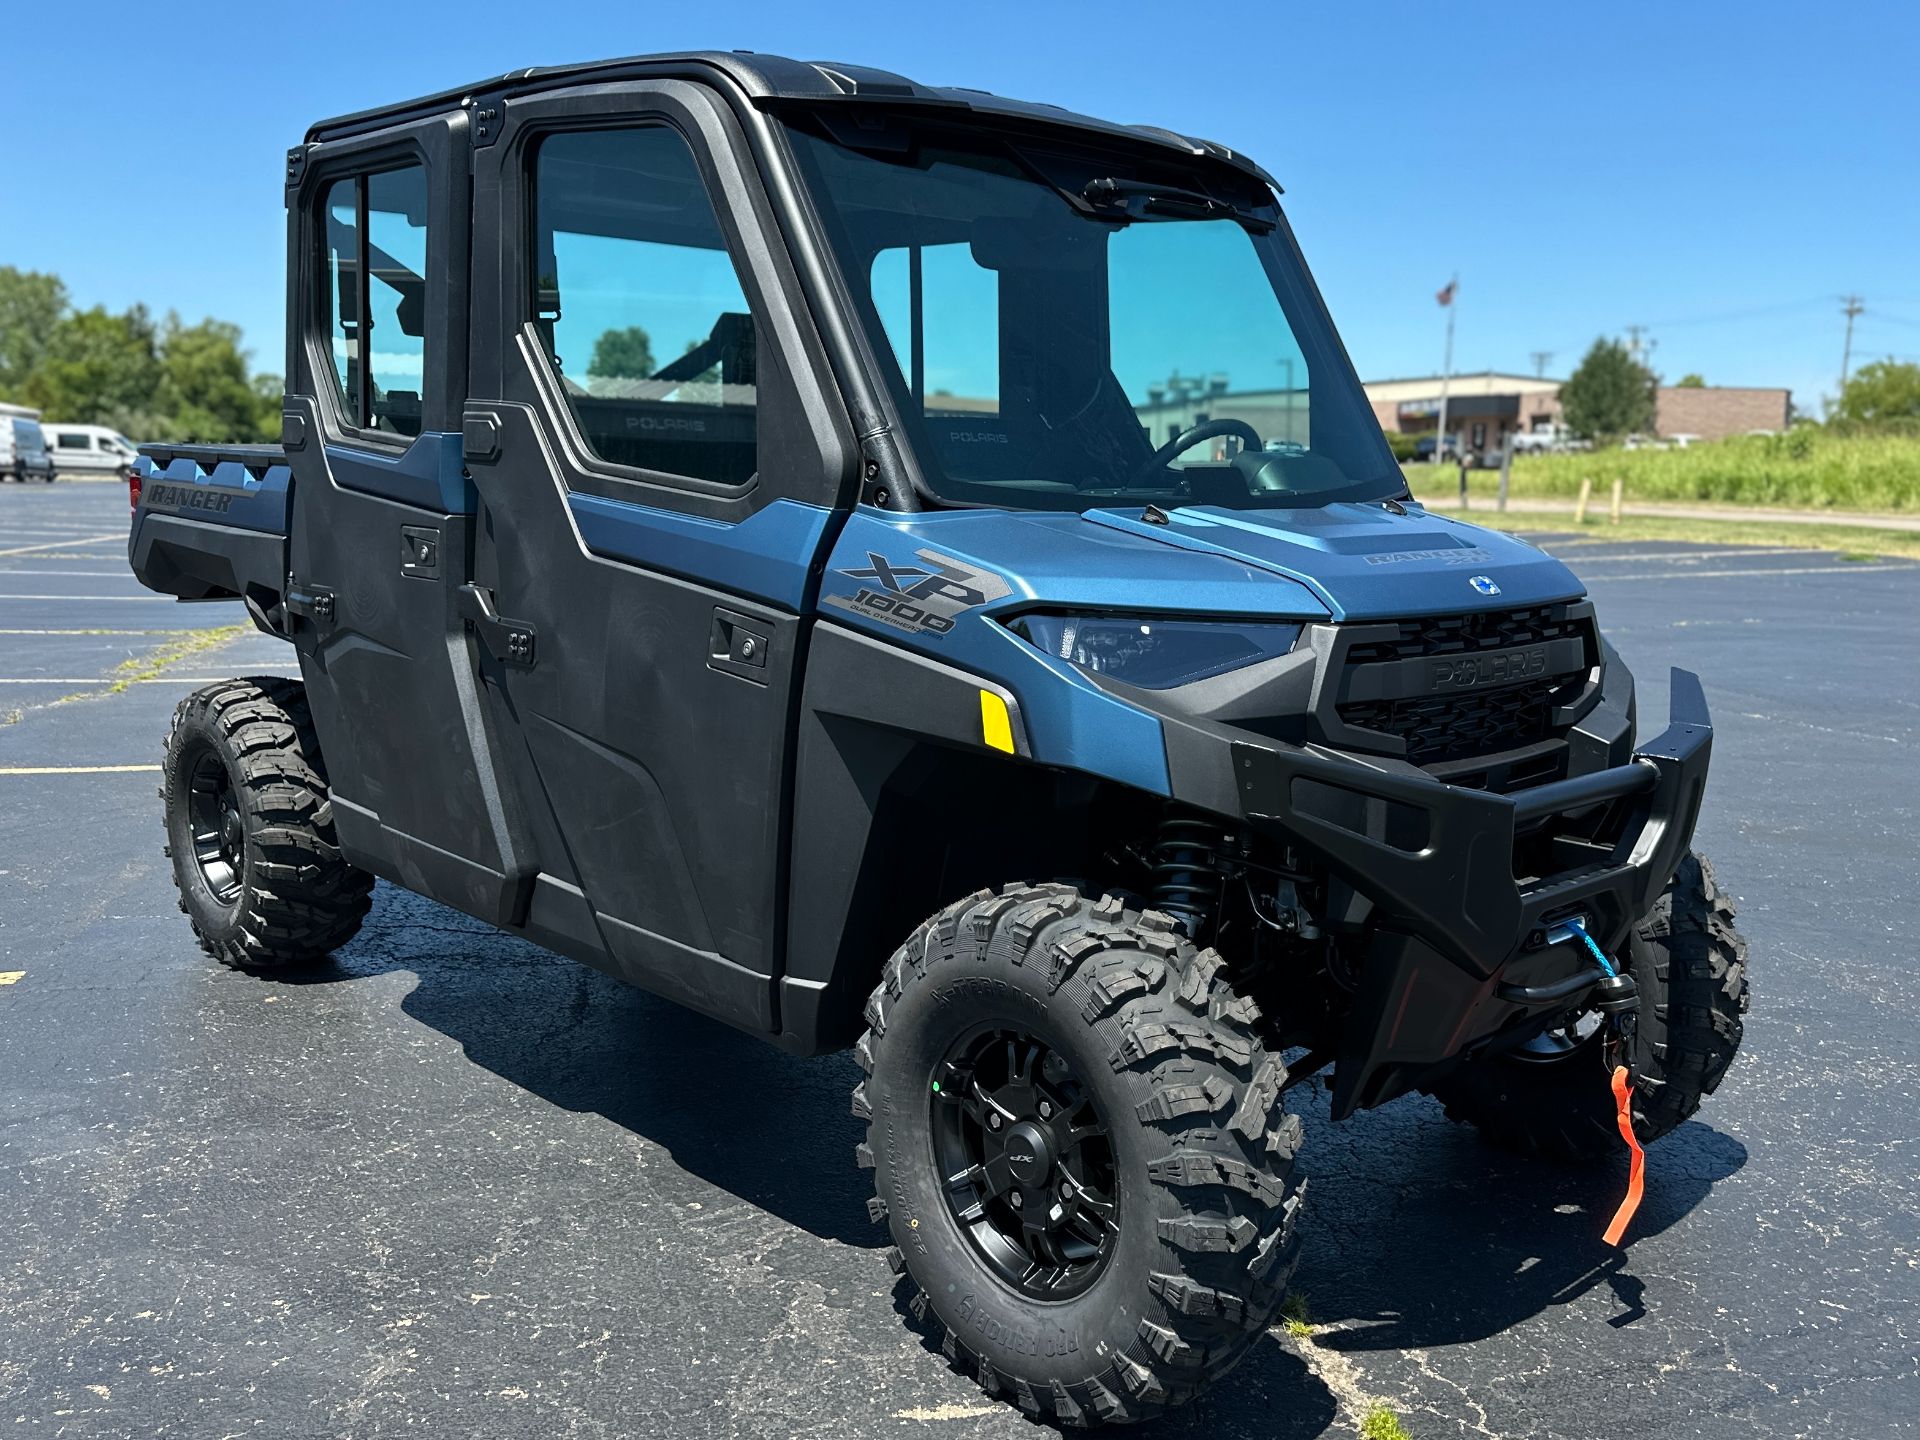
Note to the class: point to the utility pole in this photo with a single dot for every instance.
(1634, 332)
(1540, 359)
(1850, 306)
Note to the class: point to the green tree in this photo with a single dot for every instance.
(1885, 391)
(205, 393)
(96, 365)
(31, 307)
(1690, 382)
(625, 354)
(1610, 395)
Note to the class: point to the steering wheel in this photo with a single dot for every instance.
(1186, 440)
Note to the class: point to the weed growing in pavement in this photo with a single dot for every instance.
(158, 660)
(1380, 1423)
(1296, 1318)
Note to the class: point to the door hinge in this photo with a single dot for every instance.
(313, 603)
(512, 642)
(484, 120)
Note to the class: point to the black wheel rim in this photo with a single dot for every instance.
(219, 833)
(1027, 1161)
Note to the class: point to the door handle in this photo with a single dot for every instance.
(738, 645)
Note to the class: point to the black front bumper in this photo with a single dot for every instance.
(1458, 935)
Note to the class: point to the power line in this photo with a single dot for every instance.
(1749, 312)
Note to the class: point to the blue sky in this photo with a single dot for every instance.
(1721, 173)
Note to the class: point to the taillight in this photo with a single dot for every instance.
(133, 490)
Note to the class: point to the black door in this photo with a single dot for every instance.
(382, 513)
(655, 474)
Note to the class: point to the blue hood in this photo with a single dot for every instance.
(936, 582)
(1365, 562)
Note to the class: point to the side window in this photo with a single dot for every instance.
(639, 306)
(340, 258)
(397, 297)
(70, 440)
(373, 260)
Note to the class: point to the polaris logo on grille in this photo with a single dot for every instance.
(1504, 668)
(1484, 584)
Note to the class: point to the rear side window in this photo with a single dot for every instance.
(373, 257)
(639, 306)
(68, 440)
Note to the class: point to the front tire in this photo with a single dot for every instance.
(250, 829)
(1690, 965)
(1125, 1232)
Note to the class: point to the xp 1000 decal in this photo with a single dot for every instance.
(922, 596)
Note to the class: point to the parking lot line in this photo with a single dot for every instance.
(70, 533)
(1677, 556)
(76, 769)
(1764, 572)
(84, 574)
(56, 544)
(144, 680)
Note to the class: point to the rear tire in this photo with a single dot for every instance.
(250, 828)
(1132, 1039)
(1690, 965)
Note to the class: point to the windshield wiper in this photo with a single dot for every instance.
(1139, 199)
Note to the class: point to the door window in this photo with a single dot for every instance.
(372, 266)
(639, 307)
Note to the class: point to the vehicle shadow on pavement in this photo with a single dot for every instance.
(1467, 1241)
(767, 1127)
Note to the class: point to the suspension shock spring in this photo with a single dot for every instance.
(1188, 880)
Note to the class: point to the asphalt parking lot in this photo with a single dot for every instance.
(455, 1186)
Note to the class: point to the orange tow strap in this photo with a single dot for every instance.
(1637, 1174)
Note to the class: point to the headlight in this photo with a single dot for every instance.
(1152, 652)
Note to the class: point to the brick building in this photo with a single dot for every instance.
(1713, 412)
(1482, 409)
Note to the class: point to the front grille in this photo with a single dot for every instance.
(1465, 634)
(1469, 724)
(1464, 726)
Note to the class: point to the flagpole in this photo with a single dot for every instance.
(1446, 374)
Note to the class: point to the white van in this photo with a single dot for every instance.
(83, 450)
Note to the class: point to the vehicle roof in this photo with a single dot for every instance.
(772, 80)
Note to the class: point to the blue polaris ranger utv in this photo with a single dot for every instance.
(898, 568)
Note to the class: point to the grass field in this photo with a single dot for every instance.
(1851, 542)
(1807, 468)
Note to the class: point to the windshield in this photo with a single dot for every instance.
(1065, 331)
